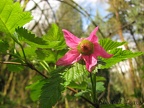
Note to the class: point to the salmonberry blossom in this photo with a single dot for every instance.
(87, 49)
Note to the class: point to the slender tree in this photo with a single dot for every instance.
(119, 10)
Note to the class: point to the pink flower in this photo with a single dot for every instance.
(87, 49)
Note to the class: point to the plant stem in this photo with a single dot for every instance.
(94, 86)
(14, 63)
(31, 66)
(15, 40)
(92, 83)
(23, 52)
(94, 94)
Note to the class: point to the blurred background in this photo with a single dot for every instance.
(119, 20)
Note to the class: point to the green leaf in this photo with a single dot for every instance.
(31, 39)
(55, 38)
(29, 52)
(47, 55)
(100, 86)
(3, 46)
(12, 16)
(51, 91)
(119, 55)
(83, 92)
(123, 54)
(14, 68)
(60, 69)
(35, 89)
(38, 89)
(98, 79)
(76, 73)
(80, 86)
(108, 44)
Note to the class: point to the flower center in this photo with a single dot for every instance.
(85, 47)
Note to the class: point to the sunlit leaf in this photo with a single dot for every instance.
(31, 39)
(51, 91)
(55, 38)
(108, 44)
(12, 16)
(29, 52)
(119, 55)
(100, 86)
(76, 73)
(99, 78)
(47, 55)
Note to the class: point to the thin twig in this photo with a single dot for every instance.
(14, 63)
(37, 22)
(31, 66)
(54, 15)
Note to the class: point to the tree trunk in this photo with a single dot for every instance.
(131, 70)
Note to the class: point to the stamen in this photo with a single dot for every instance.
(86, 47)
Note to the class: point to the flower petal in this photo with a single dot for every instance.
(71, 40)
(90, 61)
(99, 51)
(70, 57)
(93, 38)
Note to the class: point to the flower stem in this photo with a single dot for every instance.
(94, 94)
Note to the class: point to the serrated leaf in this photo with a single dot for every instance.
(31, 39)
(51, 91)
(60, 69)
(119, 55)
(55, 38)
(12, 16)
(76, 73)
(35, 89)
(108, 44)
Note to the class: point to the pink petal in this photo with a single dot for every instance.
(70, 57)
(93, 38)
(71, 40)
(90, 61)
(99, 51)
